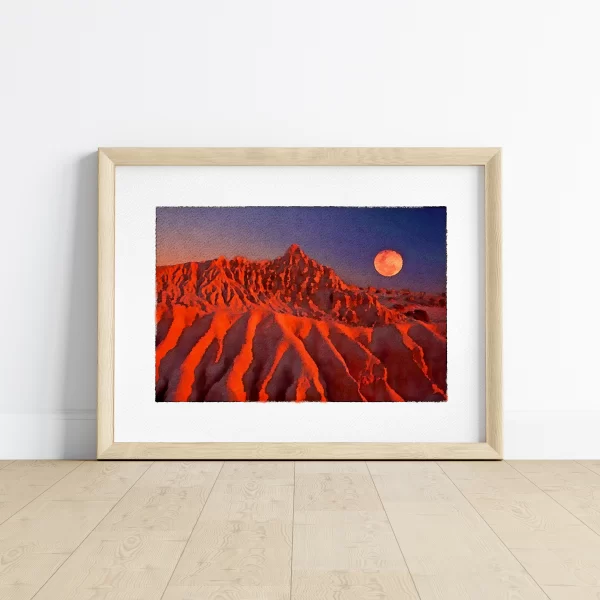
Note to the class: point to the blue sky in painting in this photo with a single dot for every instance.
(346, 239)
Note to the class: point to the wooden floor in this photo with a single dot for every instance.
(304, 531)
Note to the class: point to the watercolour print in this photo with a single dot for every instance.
(301, 304)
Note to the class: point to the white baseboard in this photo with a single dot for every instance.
(65, 434)
(527, 435)
(549, 435)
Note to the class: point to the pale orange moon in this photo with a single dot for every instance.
(388, 263)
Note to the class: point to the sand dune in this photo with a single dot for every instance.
(291, 330)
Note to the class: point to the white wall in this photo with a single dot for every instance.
(521, 74)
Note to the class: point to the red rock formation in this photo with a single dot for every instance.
(290, 329)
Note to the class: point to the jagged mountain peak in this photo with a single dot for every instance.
(293, 284)
(295, 250)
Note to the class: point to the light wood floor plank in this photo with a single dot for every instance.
(241, 545)
(344, 546)
(133, 551)
(17, 592)
(451, 552)
(165, 502)
(571, 484)
(237, 530)
(128, 566)
(555, 547)
(37, 540)
(23, 481)
(227, 591)
(107, 480)
(593, 465)
(312, 467)
(566, 592)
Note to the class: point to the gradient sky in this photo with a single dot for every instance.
(346, 239)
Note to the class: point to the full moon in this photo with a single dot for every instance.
(388, 263)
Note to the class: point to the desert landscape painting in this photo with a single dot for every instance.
(301, 304)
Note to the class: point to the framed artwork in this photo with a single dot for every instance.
(299, 303)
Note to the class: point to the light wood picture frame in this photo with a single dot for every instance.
(111, 158)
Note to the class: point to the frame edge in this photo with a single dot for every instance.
(299, 451)
(300, 156)
(106, 301)
(493, 302)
